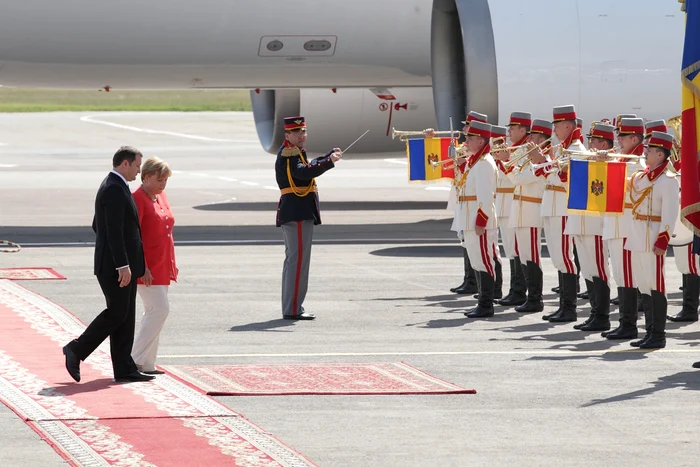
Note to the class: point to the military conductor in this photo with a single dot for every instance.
(118, 263)
(297, 212)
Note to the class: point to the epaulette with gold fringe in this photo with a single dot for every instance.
(291, 152)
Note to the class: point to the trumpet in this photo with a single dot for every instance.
(404, 135)
(460, 155)
(558, 163)
(518, 159)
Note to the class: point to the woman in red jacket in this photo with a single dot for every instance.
(156, 220)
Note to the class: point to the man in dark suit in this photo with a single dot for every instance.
(118, 263)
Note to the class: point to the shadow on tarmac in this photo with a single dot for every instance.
(685, 380)
(272, 325)
(331, 206)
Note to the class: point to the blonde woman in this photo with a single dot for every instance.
(156, 221)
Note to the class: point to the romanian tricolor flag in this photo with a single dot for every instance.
(597, 187)
(421, 152)
(690, 142)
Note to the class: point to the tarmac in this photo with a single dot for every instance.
(381, 267)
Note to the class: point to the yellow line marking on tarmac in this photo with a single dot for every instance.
(478, 352)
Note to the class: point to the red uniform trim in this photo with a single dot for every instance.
(566, 247)
(692, 267)
(600, 257)
(485, 256)
(564, 116)
(535, 245)
(627, 265)
(300, 250)
(481, 218)
(662, 240)
(520, 121)
(660, 279)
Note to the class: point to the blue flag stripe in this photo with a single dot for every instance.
(416, 151)
(578, 185)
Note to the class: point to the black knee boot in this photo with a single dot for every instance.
(648, 307)
(628, 315)
(469, 284)
(592, 299)
(568, 300)
(518, 286)
(691, 297)
(534, 290)
(659, 307)
(601, 299)
(498, 284)
(558, 310)
(484, 309)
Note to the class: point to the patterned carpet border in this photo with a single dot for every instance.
(30, 274)
(83, 438)
(382, 378)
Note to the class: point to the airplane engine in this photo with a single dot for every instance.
(335, 118)
(496, 57)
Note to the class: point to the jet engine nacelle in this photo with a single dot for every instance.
(337, 118)
(496, 57)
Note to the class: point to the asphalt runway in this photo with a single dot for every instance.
(381, 268)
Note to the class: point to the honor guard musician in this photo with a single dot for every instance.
(298, 212)
(468, 286)
(687, 263)
(616, 230)
(480, 234)
(519, 127)
(526, 217)
(554, 214)
(593, 254)
(504, 197)
(655, 195)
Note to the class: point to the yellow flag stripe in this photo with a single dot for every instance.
(597, 172)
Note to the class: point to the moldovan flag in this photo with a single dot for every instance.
(597, 187)
(690, 142)
(420, 152)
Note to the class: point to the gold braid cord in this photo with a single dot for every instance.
(642, 195)
(303, 191)
(14, 247)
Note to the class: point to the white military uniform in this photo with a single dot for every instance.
(554, 218)
(504, 200)
(615, 230)
(458, 204)
(525, 214)
(478, 193)
(686, 261)
(656, 199)
(592, 252)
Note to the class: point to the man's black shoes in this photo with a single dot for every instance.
(134, 377)
(72, 363)
(301, 316)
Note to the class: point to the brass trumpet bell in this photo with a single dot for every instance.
(404, 135)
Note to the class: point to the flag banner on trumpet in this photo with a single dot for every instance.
(596, 187)
(690, 117)
(421, 152)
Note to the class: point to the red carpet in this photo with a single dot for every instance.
(313, 378)
(29, 274)
(99, 422)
